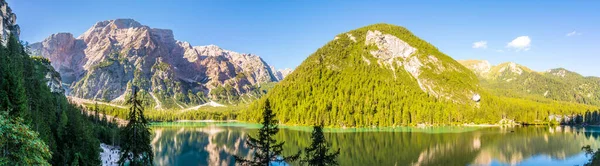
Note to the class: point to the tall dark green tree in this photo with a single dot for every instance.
(318, 153)
(136, 149)
(267, 148)
(13, 75)
(4, 102)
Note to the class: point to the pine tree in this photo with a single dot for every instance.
(17, 106)
(317, 154)
(104, 119)
(267, 149)
(96, 113)
(4, 102)
(136, 148)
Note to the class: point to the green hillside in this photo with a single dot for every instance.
(383, 75)
(513, 80)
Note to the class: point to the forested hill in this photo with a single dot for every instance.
(383, 75)
(514, 80)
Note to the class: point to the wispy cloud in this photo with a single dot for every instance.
(574, 33)
(521, 43)
(480, 44)
(499, 50)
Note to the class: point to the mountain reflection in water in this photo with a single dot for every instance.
(216, 143)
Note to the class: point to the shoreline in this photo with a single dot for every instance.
(206, 120)
(344, 127)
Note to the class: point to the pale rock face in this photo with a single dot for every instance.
(482, 68)
(101, 62)
(512, 67)
(53, 80)
(393, 50)
(413, 66)
(351, 37)
(560, 73)
(66, 54)
(282, 73)
(389, 46)
(255, 69)
(8, 23)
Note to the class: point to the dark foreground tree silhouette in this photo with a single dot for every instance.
(267, 149)
(136, 148)
(595, 159)
(318, 152)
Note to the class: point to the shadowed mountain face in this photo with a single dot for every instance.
(516, 80)
(106, 60)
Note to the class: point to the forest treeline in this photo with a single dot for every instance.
(40, 127)
(343, 84)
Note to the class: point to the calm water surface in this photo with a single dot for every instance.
(216, 143)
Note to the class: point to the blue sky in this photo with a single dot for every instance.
(284, 33)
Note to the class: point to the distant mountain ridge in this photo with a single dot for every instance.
(519, 81)
(113, 55)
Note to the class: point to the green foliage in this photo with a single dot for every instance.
(106, 131)
(317, 154)
(267, 149)
(337, 86)
(513, 80)
(41, 59)
(224, 93)
(168, 115)
(24, 95)
(103, 64)
(20, 145)
(136, 149)
(595, 159)
(13, 72)
(162, 66)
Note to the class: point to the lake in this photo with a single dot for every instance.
(195, 143)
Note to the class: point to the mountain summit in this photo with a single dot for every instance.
(379, 70)
(103, 62)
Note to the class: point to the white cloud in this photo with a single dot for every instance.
(521, 43)
(574, 33)
(499, 50)
(480, 44)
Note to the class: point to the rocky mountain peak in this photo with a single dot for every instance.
(125, 23)
(111, 55)
(510, 67)
(117, 24)
(282, 73)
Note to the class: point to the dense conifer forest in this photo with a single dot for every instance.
(57, 131)
(338, 86)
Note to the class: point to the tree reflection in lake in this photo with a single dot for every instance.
(216, 143)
